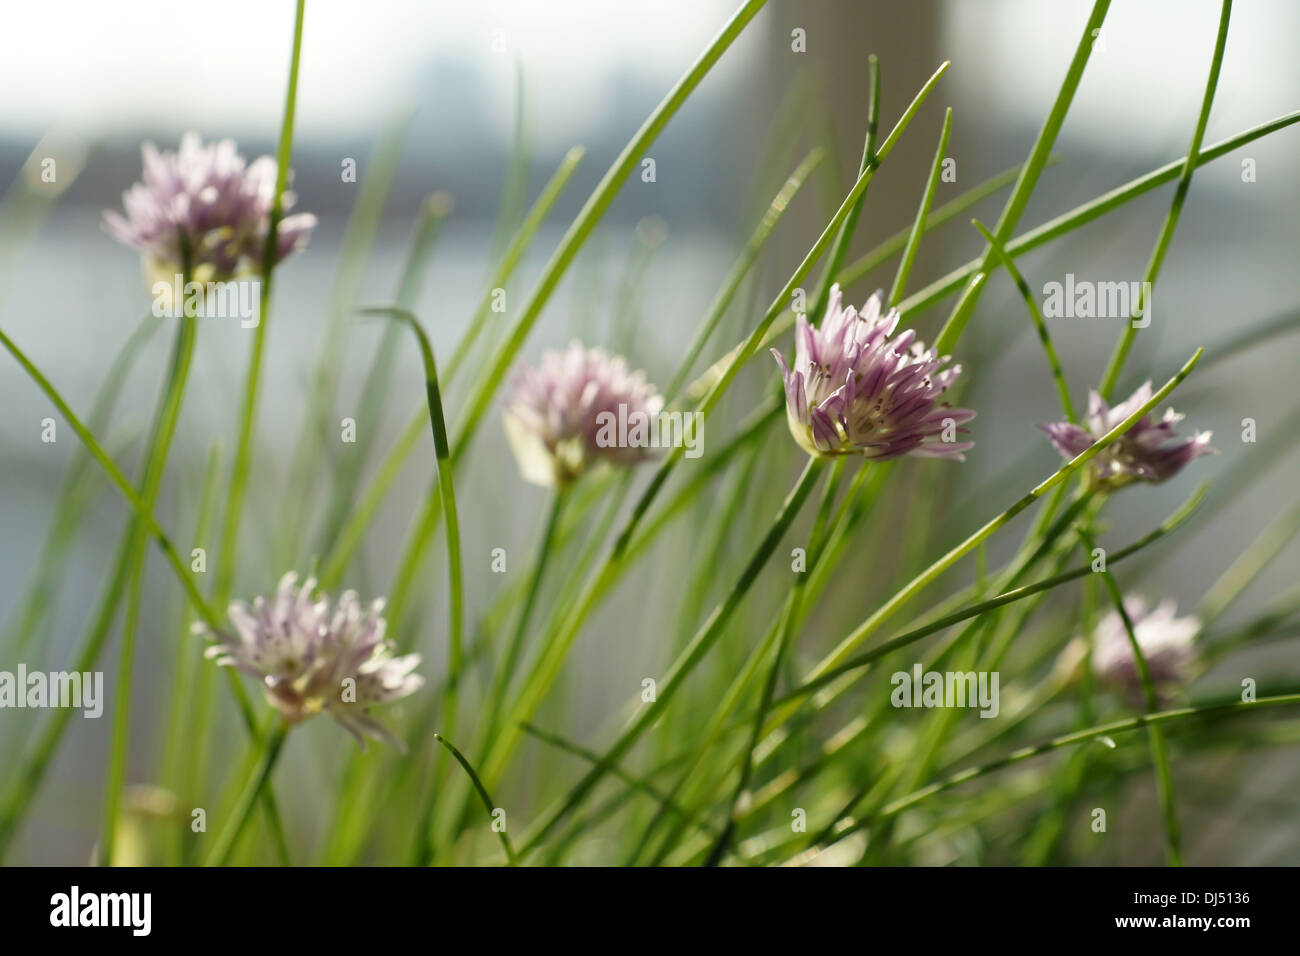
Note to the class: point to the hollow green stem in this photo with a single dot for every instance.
(1159, 751)
(510, 660)
(483, 795)
(922, 211)
(228, 556)
(164, 428)
(956, 324)
(1116, 364)
(238, 820)
(1035, 314)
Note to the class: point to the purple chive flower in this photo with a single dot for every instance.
(220, 206)
(578, 408)
(856, 391)
(1166, 643)
(1146, 452)
(311, 659)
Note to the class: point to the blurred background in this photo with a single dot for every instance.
(425, 97)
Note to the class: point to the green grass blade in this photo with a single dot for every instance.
(591, 213)
(1159, 751)
(483, 795)
(1036, 314)
(922, 211)
(228, 553)
(1042, 148)
(1116, 364)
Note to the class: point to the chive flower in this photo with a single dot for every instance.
(576, 409)
(208, 198)
(1165, 639)
(858, 389)
(310, 658)
(1150, 452)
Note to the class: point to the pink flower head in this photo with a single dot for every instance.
(854, 390)
(1165, 640)
(310, 658)
(207, 197)
(563, 416)
(1148, 451)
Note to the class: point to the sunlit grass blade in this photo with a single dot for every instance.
(749, 255)
(229, 547)
(1067, 222)
(896, 243)
(1116, 365)
(1159, 750)
(844, 238)
(1019, 198)
(922, 211)
(69, 505)
(1248, 565)
(191, 686)
(591, 213)
(634, 782)
(1036, 314)
(234, 825)
(446, 488)
(166, 418)
(509, 661)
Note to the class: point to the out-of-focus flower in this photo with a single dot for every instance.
(209, 198)
(856, 391)
(575, 409)
(1148, 451)
(1165, 640)
(311, 659)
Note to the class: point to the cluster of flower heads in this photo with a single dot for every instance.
(557, 414)
(1166, 642)
(311, 658)
(1149, 451)
(858, 389)
(206, 201)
